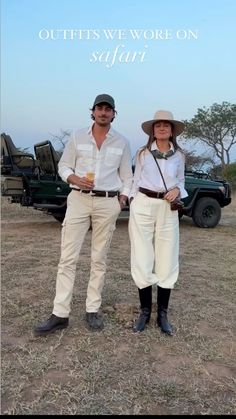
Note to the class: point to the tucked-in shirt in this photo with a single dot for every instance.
(147, 175)
(111, 164)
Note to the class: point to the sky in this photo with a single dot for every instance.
(57, 55)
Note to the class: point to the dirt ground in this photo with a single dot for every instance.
(114, 371)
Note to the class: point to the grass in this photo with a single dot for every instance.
(114, 371)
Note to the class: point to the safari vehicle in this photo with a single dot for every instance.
(33, 181)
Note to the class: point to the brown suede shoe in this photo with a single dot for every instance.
(51, 325)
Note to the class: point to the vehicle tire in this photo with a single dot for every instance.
(59, 217)
(207, 212)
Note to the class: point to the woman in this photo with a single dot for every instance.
(153, 226)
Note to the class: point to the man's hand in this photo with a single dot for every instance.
(81, 182)
(122, 200)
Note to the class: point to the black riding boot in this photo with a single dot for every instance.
(145, 296)
(163, 296)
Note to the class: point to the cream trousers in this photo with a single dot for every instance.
(82, 209)
(154, 237)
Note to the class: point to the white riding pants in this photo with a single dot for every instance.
(154, 237)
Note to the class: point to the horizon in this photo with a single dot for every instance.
(57, 56)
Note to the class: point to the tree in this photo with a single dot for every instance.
(62, 139)
(215, 127)
(196, 162)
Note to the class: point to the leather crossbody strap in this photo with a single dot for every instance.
(152, 153)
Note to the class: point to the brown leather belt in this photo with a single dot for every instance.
(108, 194)
(152, 194)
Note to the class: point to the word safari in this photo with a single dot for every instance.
(118, 55)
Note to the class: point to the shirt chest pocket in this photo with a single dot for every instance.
(171, 171)
(113, 156)
(84, 154)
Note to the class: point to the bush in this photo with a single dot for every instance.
(229, 173)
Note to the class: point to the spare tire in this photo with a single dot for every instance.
(206, 212)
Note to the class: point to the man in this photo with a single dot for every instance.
(96, 163)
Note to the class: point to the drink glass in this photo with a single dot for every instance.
(90, 176)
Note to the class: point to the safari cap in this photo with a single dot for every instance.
(163, 116)
(104, 99)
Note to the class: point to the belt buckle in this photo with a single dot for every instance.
(91, 193)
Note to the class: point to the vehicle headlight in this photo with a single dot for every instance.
(222, 188)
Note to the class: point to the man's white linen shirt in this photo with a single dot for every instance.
(148, 176)
(111, 163)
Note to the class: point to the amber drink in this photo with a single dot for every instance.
(90, 176)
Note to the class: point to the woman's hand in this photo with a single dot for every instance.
(171, 195)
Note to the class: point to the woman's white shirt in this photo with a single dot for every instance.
(147, 175)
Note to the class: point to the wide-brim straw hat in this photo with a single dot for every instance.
(179, 126)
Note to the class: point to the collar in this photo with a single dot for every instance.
(110, 133)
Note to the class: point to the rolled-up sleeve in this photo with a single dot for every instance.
(180, 177)
(66, 165)
(137, 173)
